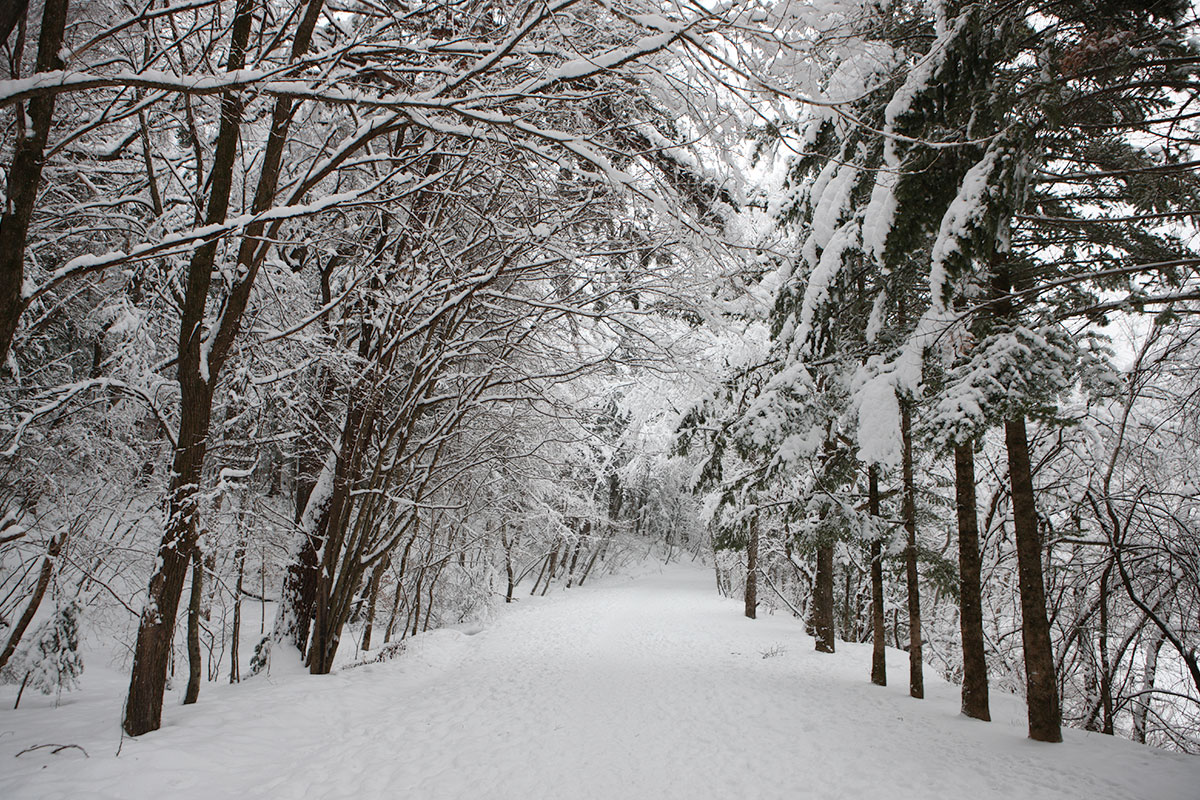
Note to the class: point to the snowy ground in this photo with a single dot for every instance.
(650, 687)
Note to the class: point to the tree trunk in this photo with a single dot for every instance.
(970, 605)
(373, 595)
(1106, 687)
(1141, 708)
(878, 645)
(35, 600)
(239, 556)
(822, 610)
(430, 599)
(396, 598)
(25, 175)
(193, 629)
(10, 15)
(752, 569)
(848, 622)
(152, 652)
(597, 555)
(916, 680)
(1041, 693)
(541, 572)
(335, 590)
(297, 603)
(197, 376)
(400, 571)
(415, 612)
(508, 565)
(551, 570)
(583, 534)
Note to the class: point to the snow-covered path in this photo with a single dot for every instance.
(651, 687)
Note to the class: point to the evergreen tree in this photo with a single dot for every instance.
(51, 662)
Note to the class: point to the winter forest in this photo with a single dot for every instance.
(332, 327)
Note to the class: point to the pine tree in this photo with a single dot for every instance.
(1050, 131)
(51, 663)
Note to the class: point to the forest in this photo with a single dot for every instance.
(328, 323)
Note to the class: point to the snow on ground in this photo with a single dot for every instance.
(645, 687)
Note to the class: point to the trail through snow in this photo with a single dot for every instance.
(646, 687)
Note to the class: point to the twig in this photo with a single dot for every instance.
(58, 748)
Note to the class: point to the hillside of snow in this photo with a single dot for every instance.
(652, 686)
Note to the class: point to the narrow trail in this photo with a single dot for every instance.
(651, 687)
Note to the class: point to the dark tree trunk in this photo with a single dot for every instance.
(430, 599)
(10, 14)
(152, 653)
(878, 645)
(193, 629)
(507, 544)
(1106, 687)
(197, 375)
(916, 679)
(583, 534)
(331, 606)
(25, 173)
(597, 556)
(822, 610)
(35, 600)
(396, 598)
(400, 572)
(847, 615)
(300, 581)
(239, 557)
(298, 599)
(752, 570)
(551, 570)
(970, 606)
(541, 572)
(373, 598)
(1041, 693)
(300, 593)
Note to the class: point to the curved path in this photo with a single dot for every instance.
(647, 687)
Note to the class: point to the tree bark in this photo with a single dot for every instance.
(551, 570)
(541, 572)
(328, 616)
(970, 605)
(597, 555)
(193, 629)
(299, 596)
(878, 644)
(400, 572)
(1106, 687)
(373, 595)
(848, 621)
(1141, 708)
(508, 565)
(1041, 695)
(916, 680)
(822, 611)
(152, 652)
(584, 531)
(752, 569)
(35, 600)
(10, 15)
(239, 556)
(25, 173)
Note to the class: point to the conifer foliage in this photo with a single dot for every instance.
(987, 183)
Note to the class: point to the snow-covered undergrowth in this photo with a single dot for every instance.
(647, 686)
